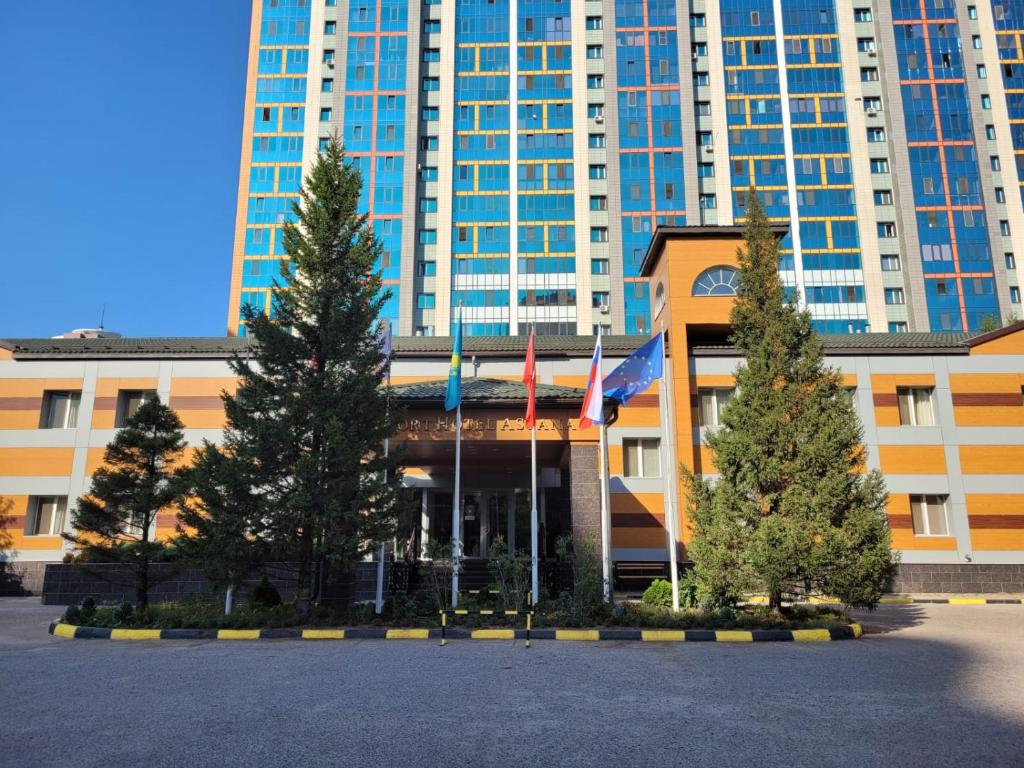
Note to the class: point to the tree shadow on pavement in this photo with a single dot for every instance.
(890, 618)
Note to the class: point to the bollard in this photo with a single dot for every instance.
(444, 617)
(529, 621)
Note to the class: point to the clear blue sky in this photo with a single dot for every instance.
(120, 135)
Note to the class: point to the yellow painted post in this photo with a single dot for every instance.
(444, 617)
(529, 623)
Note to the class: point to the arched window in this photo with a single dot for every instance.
(659, 299)
(717, 281)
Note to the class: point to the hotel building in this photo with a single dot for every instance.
(943, 419)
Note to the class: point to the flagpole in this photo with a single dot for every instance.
(535, 576)
(456, 508)
(378, 603)
(669, 472)
(606, 516)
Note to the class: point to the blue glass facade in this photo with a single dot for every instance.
(956, 255)
(467, 122)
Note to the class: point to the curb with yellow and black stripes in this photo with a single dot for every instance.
(848, 632)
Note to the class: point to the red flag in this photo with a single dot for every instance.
(530, 380)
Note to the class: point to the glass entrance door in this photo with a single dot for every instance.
(472, 510)
(497, 520)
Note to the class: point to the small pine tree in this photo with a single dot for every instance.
(115, 522)
(300, 475)
(793, 509)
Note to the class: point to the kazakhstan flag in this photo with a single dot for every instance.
(453, 395)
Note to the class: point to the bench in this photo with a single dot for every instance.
(635, 577)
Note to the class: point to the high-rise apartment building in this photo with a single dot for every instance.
(518, 154)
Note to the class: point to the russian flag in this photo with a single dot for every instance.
(593, 403)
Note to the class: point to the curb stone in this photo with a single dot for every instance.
(850, 632)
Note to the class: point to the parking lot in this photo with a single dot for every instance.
(929, 685)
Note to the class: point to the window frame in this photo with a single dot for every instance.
(641, 445)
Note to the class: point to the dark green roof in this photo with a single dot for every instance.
(223, 347)
(872, 343)
(487, 391)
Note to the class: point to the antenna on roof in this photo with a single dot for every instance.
(103, 314)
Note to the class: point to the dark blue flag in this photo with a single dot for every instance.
(636, 373)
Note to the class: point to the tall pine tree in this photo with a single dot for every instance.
(116, 521)
(793, 509)
(300, 475)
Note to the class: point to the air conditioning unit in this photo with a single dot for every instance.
(599, 119)
(604, 309)
(871, 112)
(872, 54)
(330, 64)
(709, 148)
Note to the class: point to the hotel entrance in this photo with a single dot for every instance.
(495, 481)
(486, 516)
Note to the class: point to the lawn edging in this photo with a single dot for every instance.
(847, 632)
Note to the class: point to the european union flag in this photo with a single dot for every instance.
(637, 372)
(453, 394)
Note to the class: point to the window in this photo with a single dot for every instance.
(599, 299)
(596, 141)
(425, 300)
(705, 170)
(707, 202)
(1000, 195)
(325, 115)
(595, 110)
(330, 27)
(890, 263)
(865, 44)
(982, 72)
(598, 203)
(428, 236)
(599, 266)
(894, 296)
(60, 410)
(1004, 228)
(595, 22)
(986, 101)
(711, 402)
(1011, 260)
(994, 162)
(45, 515)
(879, 165)
(876, 135)
(431, 25)
(886, 229)
(928, 513)
(915, 406)
(1014, 294)
(868, 74)
(883, 197)
(327, 85)
(599, 234)
(595, 51)
(972, 12)
(431, 54)
(595, 81)
(862, 14)
(426, 268)
(899, 326)
(641, 458)
(598, 172)
(431, 84)
(428, 205)
(328, 56)
(128, 402)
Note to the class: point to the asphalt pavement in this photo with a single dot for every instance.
(929, 685)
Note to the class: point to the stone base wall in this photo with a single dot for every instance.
(21, 579)
(69, 584)
(959, 578)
